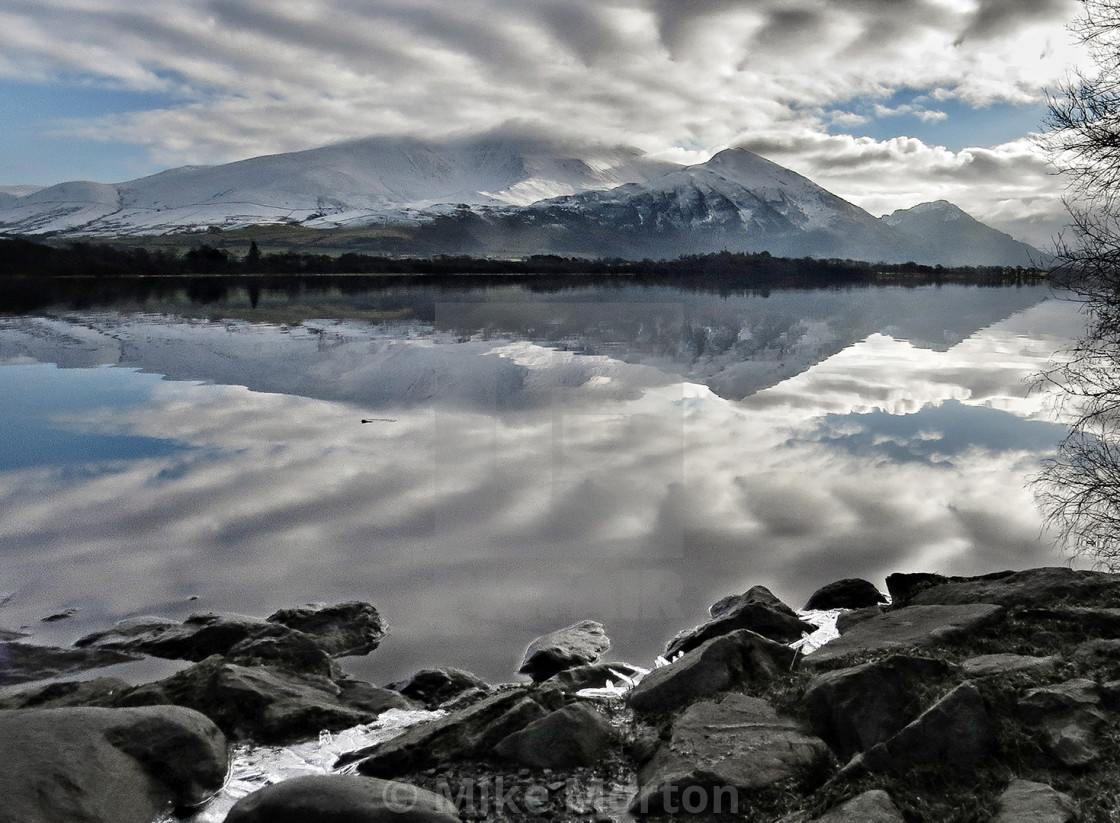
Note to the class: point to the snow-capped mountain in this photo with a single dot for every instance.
(364, 181)
(514, 194)
(957, 238)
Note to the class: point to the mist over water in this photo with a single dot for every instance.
(535, 458)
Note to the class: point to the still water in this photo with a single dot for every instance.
(627, 454)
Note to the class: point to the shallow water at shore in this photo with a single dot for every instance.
(626, 455)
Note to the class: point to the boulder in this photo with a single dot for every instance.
(1098, 651)
(956, 731)
(756, 594)
(845, 620)
(1027, 802)
(1102, 622)
(336, 798)
(434, 687)
(101, 691)
(1031, 587)
(1069, 717)
(594, 676)
(849, 593)
(989, 665)
(731, 661)
(344, 629)
(471, 733)
(265, 704)
(196, 638)
(292, 650)
(904, 629)
(569, 738)
(26, 662)
(776, 622)
(841, 714)
(874, 806)
(111, 765)
(708, 760)
(578, 644)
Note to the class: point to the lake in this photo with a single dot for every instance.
(533, 457)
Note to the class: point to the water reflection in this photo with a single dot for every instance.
(536, 461)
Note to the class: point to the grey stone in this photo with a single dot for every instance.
(1031, 587)
(101, 691)
(568, 738)
(1027, 802)
(846, 620)
(733, 660)
(292, 650)
(577, 645)
(262, 703)
(470, 733)
(849, 593)
(750, 611)
(852, 709)
(26, 662)
(434, 687)
(904, 629)
(1098, 651)
(196, 638)
(593, 676)
(335, 798)
(716, 750)
(956, 731)
(1068, 716)
(342, 629)
(96, 765)
(755, 594)
(989, 665)
(874, 806)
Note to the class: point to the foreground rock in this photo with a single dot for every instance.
(1027, 802)
(342, 799)
(1068, 716)
(576, 645)
(717, 751)
(990, 665)
(850, 593)
(956, 731)
(101, 691)
(26, 662)
(874, 806)
(434, 687)
(855, 708)
(572, 737)
(904, 629)
(265, 704)
(112, 765)
(594, 676)
(757, 610)
(471, 733)
(1031, 587)
(734, 660)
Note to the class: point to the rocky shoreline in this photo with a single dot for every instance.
(991, 698)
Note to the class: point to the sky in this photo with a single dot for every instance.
(887, 103)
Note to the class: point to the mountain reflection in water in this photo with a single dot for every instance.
(624, 454)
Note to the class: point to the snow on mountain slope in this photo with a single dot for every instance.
(371, 180)
(957, 238)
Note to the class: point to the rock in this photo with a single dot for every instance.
(336, 798)
(292, 650)
(757, 613)
(845, 620)
(1068, 715)
(111, 765)
(434, 687)
(1028, 802)
(1032, 587)
(577, 645)
(1101, 622)
(65, 614)
(733, 660)
(905, 629)
(25, 662)
(842, 715)
(850, 593)
(756, 594)
(988, 665)
(196, 638)
(903, 586)
(708, 759)
(366, 697)
(262, 703)
(101, 691)
(956, 731)
(568, 738)
(469, 733)
(873, 806)
(1098, 651)
(344, 629)
(594, 676)
(8, 634)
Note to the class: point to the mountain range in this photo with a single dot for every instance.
(503, 195)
